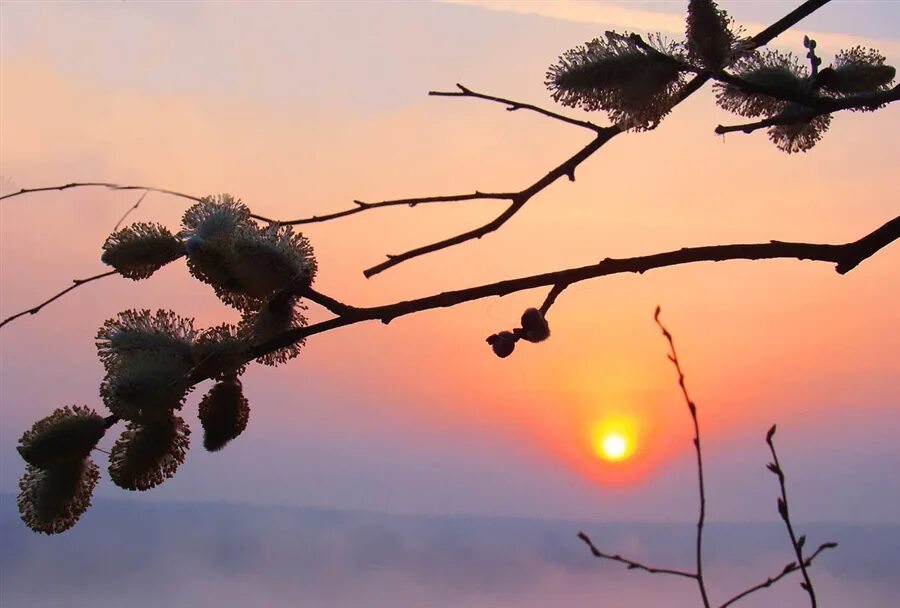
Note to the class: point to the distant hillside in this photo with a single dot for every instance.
(144, 554)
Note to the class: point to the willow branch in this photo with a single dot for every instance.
(512, 106)
(361, 206)
(854, 102)
(604, 134)
(107, 185)
(845, 257)
(631, 564)
(130, 210)
(551, 297)
(327, 302)
(791, 567)
(692, 407)
(566, 169)
(76, 283)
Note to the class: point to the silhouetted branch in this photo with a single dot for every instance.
(75, 284)
(108, 185)
(566, 169)
(551, 297)
(408, 202)
(130, 210)
(517, 105)
(846, 257)
(327, 302)
(477, 195)
(784, 512)
(673, 357)
(869, 100)
(791, 567)
(632, 565)
(604, 134)
(791, 19)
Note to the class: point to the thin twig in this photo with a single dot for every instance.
(361, 206)
(463, 91)
(75, 284)
(512, 106)
(565, 169)
(784, 512)
(130, 209)
(632, 565)
(108, 185)
(692, 407)
(551, 297)
(791, 567)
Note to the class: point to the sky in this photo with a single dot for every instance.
(300, 108)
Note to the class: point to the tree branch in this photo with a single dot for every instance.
(845, 256)
(604, 134)
(632, 565)
(408, 202)
(853, 102)
(519, 199)
(463, 91)
(698, 549)
(75, 284)
(130, 210)
(791, 567)
(327, 302)
(551, 297)
(108, 185)
(517, 105)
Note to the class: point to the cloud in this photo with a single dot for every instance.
(613, 16)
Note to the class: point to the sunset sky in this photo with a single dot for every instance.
(299, 109)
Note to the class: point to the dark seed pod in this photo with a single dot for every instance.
(503, 343)
(534, 326)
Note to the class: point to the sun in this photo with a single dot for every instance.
(613, 439)
(614, 446)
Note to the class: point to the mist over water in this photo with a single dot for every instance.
(145, 554)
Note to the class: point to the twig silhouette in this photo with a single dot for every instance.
(75, 284)
(784, 512)
(130, 210)
(692, 408)
(108, 185)
(791, 567)
(632, 565)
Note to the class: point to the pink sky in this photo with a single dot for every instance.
(299, 109)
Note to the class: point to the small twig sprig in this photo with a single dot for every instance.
(630, 563)
(784, 511)
(692, 408)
